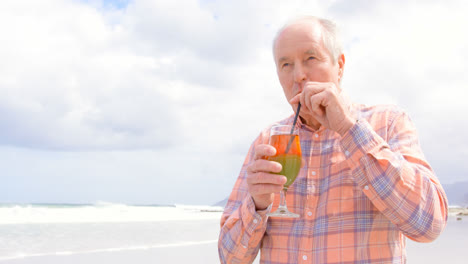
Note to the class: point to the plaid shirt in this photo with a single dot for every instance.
(359, 196)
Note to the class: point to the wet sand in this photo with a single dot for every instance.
(450, 247)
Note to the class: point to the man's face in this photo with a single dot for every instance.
(301, 57)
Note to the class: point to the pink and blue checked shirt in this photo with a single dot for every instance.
(359, 196)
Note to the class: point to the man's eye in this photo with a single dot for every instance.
(311, 58)
(285, 65)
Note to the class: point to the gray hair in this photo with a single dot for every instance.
(330, 35)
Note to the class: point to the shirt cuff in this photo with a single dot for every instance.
(252, 219)
(265, 211)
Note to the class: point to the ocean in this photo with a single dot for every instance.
(36, 231)
(119, 233)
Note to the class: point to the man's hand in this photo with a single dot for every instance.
(261, 181)
(323, 102)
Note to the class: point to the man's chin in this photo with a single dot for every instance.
(309, 120)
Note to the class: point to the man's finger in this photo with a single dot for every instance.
(318, 104)
(264, 150)
(296, 99)
(314, 87)
(264, 166)
(266, 178)
(259, 189)
(305, 100)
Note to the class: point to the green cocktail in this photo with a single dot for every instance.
(288, 154)
(291, 165)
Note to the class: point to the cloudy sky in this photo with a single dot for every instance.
(151, 101)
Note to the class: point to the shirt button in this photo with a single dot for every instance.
(255, 221)
(366, 187)
(346, 153)
(244, 246)
(316, 135)
(304, 257)
(309, 213)
(313, 173)
(312, 188)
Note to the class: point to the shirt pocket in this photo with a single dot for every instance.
(338, 190)
(330, 153)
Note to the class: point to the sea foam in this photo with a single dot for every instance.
(104, 212)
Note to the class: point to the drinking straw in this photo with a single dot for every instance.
(292, 128)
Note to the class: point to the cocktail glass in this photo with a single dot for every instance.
(288, 154)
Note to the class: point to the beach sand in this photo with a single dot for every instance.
(450, 247)
(206, 253)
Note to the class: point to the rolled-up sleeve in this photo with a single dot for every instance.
(242, 227)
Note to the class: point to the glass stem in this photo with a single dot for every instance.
(282, 206)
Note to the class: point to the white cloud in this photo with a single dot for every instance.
(413, 54)
(66, 85)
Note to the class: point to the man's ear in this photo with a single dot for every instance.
(341, 63)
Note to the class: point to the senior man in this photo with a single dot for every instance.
(364, 186)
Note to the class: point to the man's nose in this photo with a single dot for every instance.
(299, 73)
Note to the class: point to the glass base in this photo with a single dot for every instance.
(283, 212)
